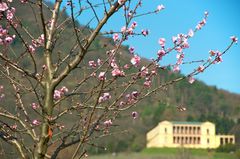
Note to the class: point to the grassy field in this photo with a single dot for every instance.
(168, 153)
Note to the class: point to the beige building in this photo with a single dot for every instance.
(186, 134)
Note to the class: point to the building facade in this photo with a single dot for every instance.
(186, 134)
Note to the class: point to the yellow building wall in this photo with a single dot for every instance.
(162, 136)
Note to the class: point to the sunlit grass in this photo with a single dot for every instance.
(168, 153)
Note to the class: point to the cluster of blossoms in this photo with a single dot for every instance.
(132, 97)
(36, 43)
(59, 93)
(1, 94)
(106, 96)
(94, 64)
(135, 60)
(217, 56)
(200, 68)
(126, 31)
(5, 37)
(116, 72)
(108, 123)
(203, 22)
(144, 72)
(102, 76)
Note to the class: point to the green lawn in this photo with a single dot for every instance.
(168, 153)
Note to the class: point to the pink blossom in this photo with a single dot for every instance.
(126, 66)
(185, 44)
(14, 126)
(174, 39)
(31, 49)
(134, 25)
(154, 72)
(1, 90)
(147, 83)
(35, 122)
(161, 53)
(130, 14)
(10, 13)
(159, 8)
(3, 31)
(108, 123)
(234, 39)
(176, 68)
(38, 42)
(123, 29)
(145, 32)
(134, 115)
(180, 58)
(218, 58)
(92, 64)
(206, 13)
(23, 1)
(101, 76)
(178, 49)
(135, 60)
(131, 50)
(130, 31)
(135, 94)
(3, 6)
(44, 67)
(93, 74)
(99, 62)
(113, 63)
(162, 42)
(190, 33)
(8, 40)
(212, 53)
(64, 89)
(104, 97)
(121, 1)
(57, 94)
(41, 39)
(115, 37)
(117, 72)
(191, 79)
(144, 71)
(201, 24)
(201, 68)
(34, 105)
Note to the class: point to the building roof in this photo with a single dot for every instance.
(186, 122)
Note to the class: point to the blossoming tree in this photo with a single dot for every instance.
(42, 86)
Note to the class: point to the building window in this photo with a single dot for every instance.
(198, 140)
(207, 131)
(221, 141)
(165, 130)
(207, 141)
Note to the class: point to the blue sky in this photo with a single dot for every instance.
(178, 17)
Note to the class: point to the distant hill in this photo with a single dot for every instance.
(201, 101)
